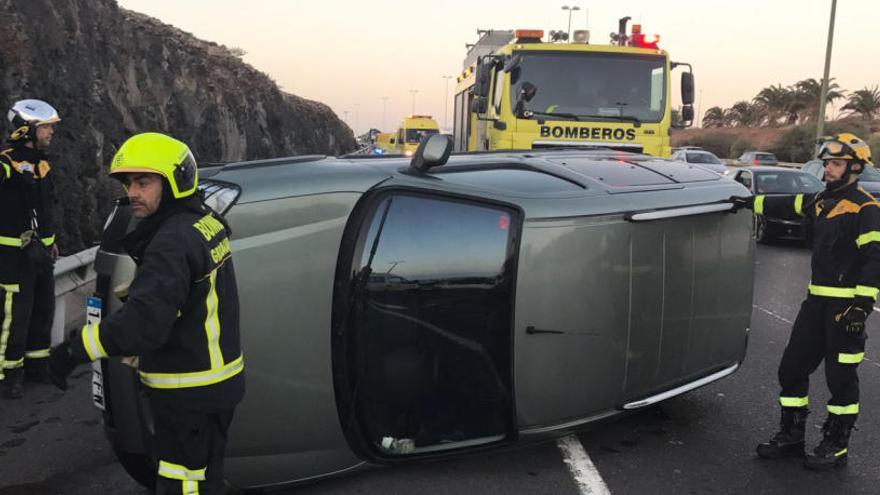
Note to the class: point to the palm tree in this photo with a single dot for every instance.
(864, 102)
(743, 114)
(713, 117)
(775, 101)
(807, 95)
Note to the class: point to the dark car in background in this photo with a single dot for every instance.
(777, 180)
(703, 158)
(869, 179)
(757, 158)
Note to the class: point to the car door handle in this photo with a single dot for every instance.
(532, 331)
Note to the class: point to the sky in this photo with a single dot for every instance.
(350, 54)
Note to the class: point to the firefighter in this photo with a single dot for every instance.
(180, 316)
(27, 289)
(843, 228)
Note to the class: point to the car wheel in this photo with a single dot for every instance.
(761, 231)
(139, 466)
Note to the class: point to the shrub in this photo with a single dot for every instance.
(716, 142)
(739, 146)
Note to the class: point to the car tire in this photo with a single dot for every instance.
(761, 231)
(140, 467)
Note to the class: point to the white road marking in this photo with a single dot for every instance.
(588, 479)
(771, 313)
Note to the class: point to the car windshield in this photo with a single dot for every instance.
(786, 183)
(765, 157)
(595, 86)
(703, 158)
(417, 135)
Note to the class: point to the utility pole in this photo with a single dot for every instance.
(384, 101)
(414, 91)
(446, 103)
(356, 116)
(823, 97)
(345, 119)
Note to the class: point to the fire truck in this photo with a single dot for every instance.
(517, 91)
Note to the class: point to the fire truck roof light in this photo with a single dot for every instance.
(529, 33)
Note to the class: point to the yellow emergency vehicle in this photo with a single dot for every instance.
(519, 92)
(411, 131)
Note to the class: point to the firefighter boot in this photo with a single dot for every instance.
(832, 451)
(12, 385)
(789, 440)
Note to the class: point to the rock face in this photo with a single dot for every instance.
(112, 73)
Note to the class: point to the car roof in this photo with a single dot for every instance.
(553, 182)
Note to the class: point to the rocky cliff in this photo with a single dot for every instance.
(112, 73)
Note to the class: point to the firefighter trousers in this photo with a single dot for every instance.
(817, 336)
(27, 309)
(190, 446)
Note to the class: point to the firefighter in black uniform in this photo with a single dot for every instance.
(180, 317)
(27, 200)
(843, 228)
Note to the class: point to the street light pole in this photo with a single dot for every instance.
(414, 91)
(570, 10)
(823, 97)
(446, 103)
(384, 101)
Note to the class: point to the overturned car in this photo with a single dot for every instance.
(394, 311)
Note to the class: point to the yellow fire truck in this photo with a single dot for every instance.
(410, 133)
(519, 92)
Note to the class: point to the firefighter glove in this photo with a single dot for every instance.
(61, 365)
(740, 202)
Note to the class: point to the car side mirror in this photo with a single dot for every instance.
(432, 152)
(479, 104)
(687, 115)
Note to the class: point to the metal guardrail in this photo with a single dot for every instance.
(71, 273)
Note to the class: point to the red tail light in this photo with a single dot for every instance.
(755, 161)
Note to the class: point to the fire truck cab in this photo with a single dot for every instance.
(519, 92)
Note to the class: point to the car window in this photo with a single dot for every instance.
(870, 174)
(745, 178)
(786, 183)
(432, 310)
(814, 168)
(703, 158)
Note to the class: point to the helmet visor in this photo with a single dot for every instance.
(835, 149)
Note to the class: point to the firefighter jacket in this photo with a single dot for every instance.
(181, 314)
(25, 185)
(843, 229)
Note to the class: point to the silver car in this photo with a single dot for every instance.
(396, 311)
(703, 158)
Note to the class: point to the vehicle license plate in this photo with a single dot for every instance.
(93, 317)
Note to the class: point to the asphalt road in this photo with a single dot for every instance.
(702, 442)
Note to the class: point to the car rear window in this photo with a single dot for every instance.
(765, 157)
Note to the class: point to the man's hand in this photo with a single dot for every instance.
(740, 202)
(55, 252)
(854, 316)
(61, 365)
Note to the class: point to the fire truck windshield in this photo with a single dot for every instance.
(417, 135)
(591, 86)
